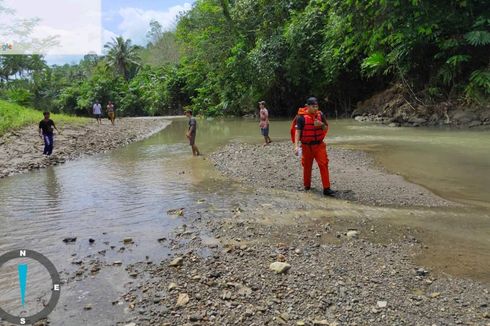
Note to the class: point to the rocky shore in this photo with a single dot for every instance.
(275, 260)
(22, 149)
(247, 268)
(353, 174)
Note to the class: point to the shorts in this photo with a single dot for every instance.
(97, 116)
(265, 131)
(192, 139)
(111, 115)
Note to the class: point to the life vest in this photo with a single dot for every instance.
(310, 132)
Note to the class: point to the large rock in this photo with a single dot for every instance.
(279, 267)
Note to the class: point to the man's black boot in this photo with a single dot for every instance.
(328, 192)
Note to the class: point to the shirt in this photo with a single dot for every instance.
(192, 125)
(264, 118)
(110, 108)
(97, 108)
(46, 127)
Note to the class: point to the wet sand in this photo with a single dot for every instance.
(22, 149)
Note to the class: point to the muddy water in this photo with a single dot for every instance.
(126, 193)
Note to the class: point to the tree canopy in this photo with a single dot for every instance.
(225, 55)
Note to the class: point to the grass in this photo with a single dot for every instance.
(13, 116)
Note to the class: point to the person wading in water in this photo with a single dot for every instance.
(191, 133)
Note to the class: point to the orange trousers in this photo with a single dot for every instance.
(318, 153)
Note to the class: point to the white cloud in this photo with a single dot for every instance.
(78, 27)
(136, 22)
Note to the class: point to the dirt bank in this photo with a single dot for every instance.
(353, 174)
(21, 150)
(397, 107)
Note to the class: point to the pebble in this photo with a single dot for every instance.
(182, 300)
(178, 261)
(128, 241)
(382, 304)
(279, 267)
(171, 286)
(352, 234)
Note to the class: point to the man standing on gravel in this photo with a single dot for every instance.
(311, 129)
(111, 114)
(97, 111)
(46, 127)
(191, 133)
(264, 122)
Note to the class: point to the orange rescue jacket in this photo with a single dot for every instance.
(310, 132)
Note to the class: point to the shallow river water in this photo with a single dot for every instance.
(127, 192)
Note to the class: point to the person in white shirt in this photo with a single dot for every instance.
(97, 111)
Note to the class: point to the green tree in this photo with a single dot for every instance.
(123, 56)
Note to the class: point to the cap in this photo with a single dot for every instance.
(312, 101)
(262, 102)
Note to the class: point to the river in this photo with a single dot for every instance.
(127, 192)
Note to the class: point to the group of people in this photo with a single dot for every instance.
(97, 112)
(308, 132)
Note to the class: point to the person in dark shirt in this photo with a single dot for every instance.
(46, 127)
(191, 132)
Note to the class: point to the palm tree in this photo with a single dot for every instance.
(122, 55)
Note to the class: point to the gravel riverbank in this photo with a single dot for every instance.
(267, 258)
(307, 271)
(22, 149)
(353, 174)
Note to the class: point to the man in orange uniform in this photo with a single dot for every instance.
(311, 129)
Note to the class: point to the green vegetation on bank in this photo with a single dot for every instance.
(225, 55)
(14, 116)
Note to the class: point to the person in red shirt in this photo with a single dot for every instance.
(311, 129)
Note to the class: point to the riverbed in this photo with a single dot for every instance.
(127, 193)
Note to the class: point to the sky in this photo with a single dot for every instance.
(84, 26)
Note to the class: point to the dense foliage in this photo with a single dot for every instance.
(225, 55)
(237, 52)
